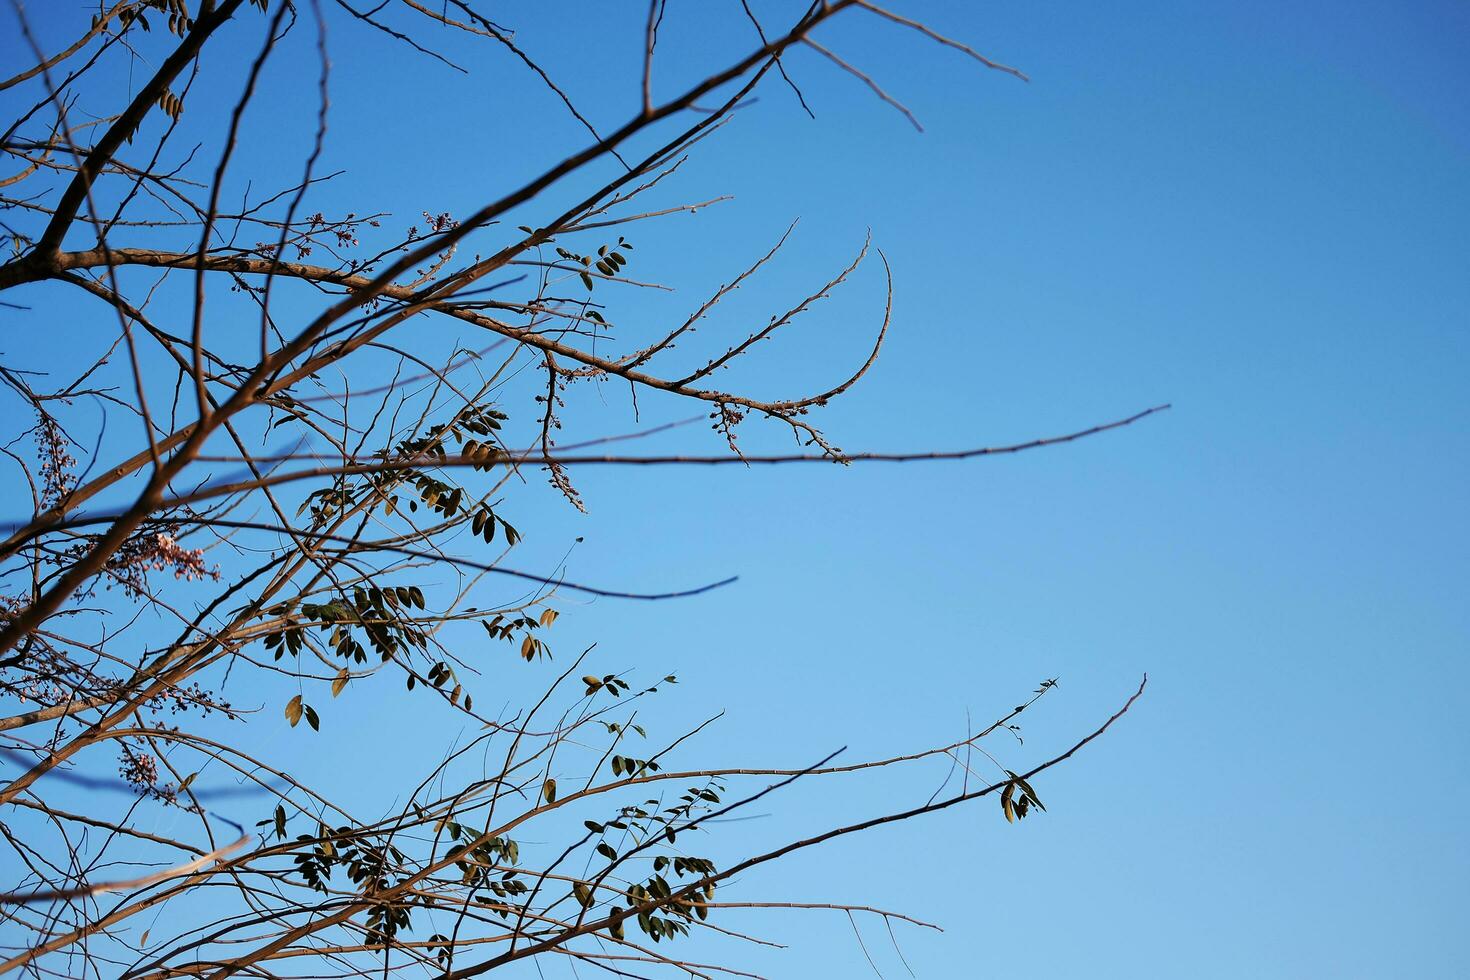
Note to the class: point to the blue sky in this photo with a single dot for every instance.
(1257, 212)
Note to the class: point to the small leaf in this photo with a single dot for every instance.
(293, 710)
(1031, 793)
(548, 791)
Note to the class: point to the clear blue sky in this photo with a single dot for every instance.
(1255, 211)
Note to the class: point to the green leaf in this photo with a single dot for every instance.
(1035, 801)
